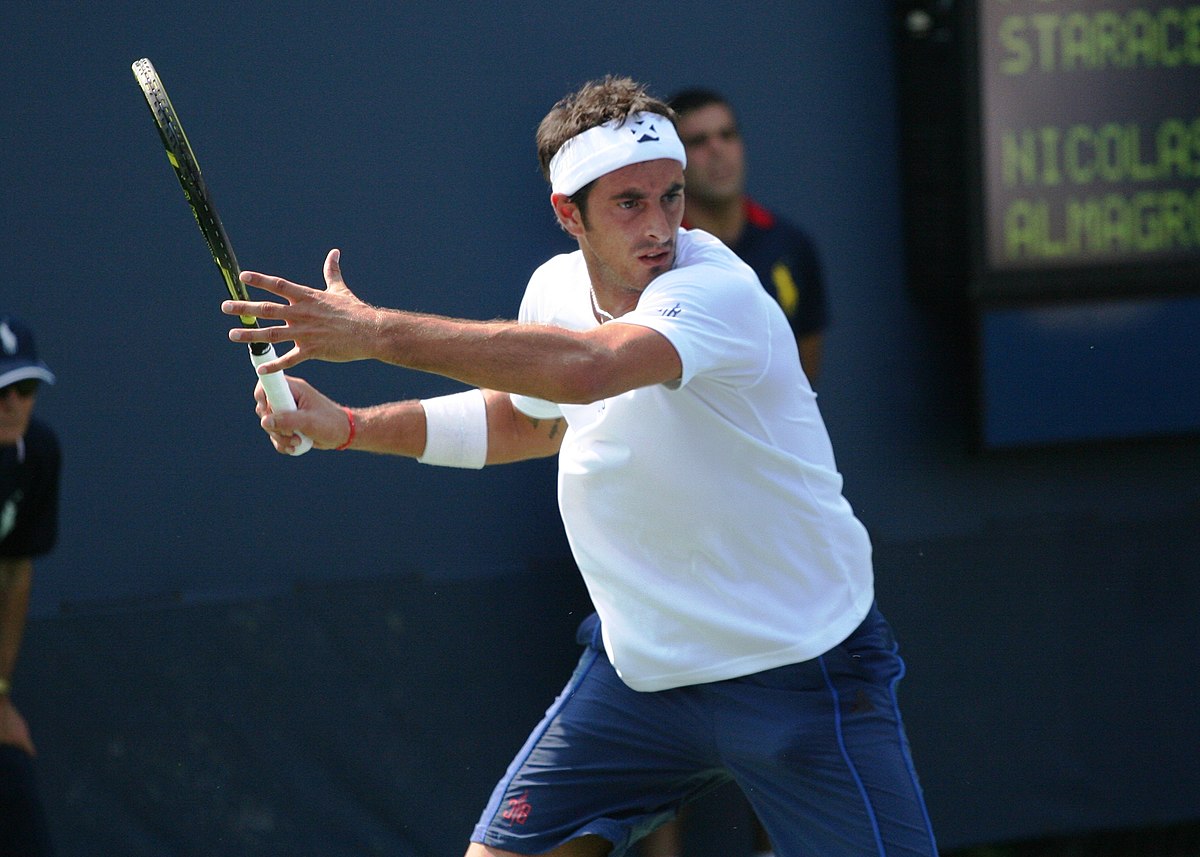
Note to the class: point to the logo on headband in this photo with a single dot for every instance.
(649, 135)
(604, 148)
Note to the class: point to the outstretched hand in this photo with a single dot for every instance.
(330, 324)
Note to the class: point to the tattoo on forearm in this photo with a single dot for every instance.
(552, 430)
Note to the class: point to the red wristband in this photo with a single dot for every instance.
(353, 429)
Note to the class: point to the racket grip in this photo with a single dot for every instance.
(279, 394)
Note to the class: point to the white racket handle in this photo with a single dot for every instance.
(279, 394)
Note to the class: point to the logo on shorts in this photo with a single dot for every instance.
(518, 809)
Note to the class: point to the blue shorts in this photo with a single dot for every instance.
(818, 748)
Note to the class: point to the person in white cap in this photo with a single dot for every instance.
(29, 470)
(736, 635)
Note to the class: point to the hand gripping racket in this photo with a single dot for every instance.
(187, 170)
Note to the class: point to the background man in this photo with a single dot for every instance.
(29, 467)
(782, 254)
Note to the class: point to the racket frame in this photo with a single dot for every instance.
(195, 190)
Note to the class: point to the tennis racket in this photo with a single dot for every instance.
(187, 170)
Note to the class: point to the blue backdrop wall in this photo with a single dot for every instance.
(1045, 597)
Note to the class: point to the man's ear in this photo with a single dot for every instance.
(570, 218)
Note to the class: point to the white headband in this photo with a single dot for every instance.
(601, 149)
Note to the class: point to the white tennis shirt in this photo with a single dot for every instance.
(707, 516)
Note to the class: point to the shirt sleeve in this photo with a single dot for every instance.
(716, 320)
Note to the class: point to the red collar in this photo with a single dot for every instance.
(755, 214)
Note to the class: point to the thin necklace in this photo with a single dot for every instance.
(596, 306)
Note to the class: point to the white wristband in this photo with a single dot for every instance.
(456, 430)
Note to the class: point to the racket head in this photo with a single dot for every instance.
(187, 170)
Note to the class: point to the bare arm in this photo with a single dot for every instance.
(514, 436)
(811, 348)
(16, 579)
(536, 360)
(398, 428)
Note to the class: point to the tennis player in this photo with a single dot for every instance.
(736, 635)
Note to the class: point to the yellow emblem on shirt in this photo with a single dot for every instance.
(785, 289)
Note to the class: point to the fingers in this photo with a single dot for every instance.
(316, 416)
(322, 324)
(333, 271)
(275, 333)
(284, 440)
(292, 291)
(274, 285)
(286, 361)
(13, 729)
(277, 426)
(278, 333)
(258, 309)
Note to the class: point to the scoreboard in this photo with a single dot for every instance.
(1088, 146)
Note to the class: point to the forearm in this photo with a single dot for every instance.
(400, 428)
(394, 428)
(535, 360)
(542, 361)
(16, 579)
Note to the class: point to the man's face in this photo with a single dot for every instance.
(633, 216)
(16, 407)
(716, 170)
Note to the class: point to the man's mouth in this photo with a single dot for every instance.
(722, 173)
(657, 256)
